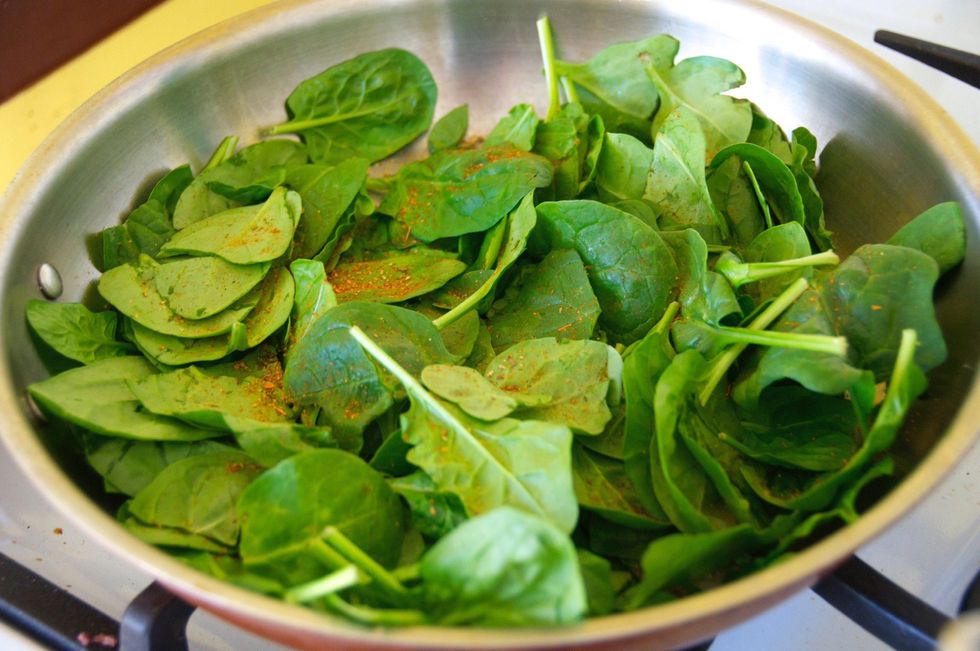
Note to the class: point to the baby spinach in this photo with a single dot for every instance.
(462, 191)
(198, 495)
(527, 573)
(630, 269)
(74, 331)
(487, 464)
(450, 129)
(619, 326)
(242, 169)
(366, 107)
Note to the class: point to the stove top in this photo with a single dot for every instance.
(934, 552)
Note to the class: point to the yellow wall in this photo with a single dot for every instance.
(29, 116)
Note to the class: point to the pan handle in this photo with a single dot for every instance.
(882, 607)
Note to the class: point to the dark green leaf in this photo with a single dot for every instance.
(75, 332)
(450, 129)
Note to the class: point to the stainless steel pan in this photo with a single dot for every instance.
(888, 153)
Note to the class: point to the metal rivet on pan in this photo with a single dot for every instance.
(49, 280)
(34, 410)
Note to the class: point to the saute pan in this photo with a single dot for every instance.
(888, 152)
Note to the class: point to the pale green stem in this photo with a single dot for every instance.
(758, 193)
(342, 579)
(375, 616)
(548, 56)
(724, 361)
(224, 151)
(365, 563)
(814, 343)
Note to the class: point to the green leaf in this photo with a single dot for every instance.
(774, 177)
(696, 85)
(326, 194)
(327, 368)
(468, 389)
(615, 84)
(601, 485)
(557, 296)
(199, 287)
(127, 466)
(676, 185)
(514, 234)
(566, 381)
(487, 464)
(198, 495)
(870, 298)
(462, 191)
(517, 129)
(395, 278)
(97, 397)
(75, 332)
(450, 129)
(630, 268)
(434, 513)
(285, 511)
(623, 167)
(242, 235)
(242, 169)
(314, 296)
(369, 107)
(939, 232)
(505, 568)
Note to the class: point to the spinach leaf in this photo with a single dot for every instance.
(601, 485)
(468, 389)
(395, 278)
(553, 299)
(366, 107)
(328, 369)
(460, 296)
(567, 140)
(817, 492)
(696, 85)
(97, 397)
(242, 169)
(684, 558)
(242, 235)
(676, 185)
(314, 296)
(198, 495)
(487, 464)
(615, 84)
(622, 170)
(870, 298)
(326, 193)
(149, 225)
(939, 232)
(75, 332)
(804, 150)
(127, 466)
(434, 513)
(462, 191)
(774, 178)
(517, 129)
(630, 269)
(199, 287)
(528, 573)
(703, 294)
(247, 389)
(597, 575)
(308, 493)
(178, 351)
(558, 381)
(450, 129)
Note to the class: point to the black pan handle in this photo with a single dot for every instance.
(882, 607)
(957, 63)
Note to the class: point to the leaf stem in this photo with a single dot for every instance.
(375, 616)
(365, 563)
(741, 273)
(547, 43)
(224, 151)
(723, 362)
(814, 343)
(342, 579)
(758, 193)
(569, 87)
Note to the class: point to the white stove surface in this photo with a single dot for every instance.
(933, 552)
